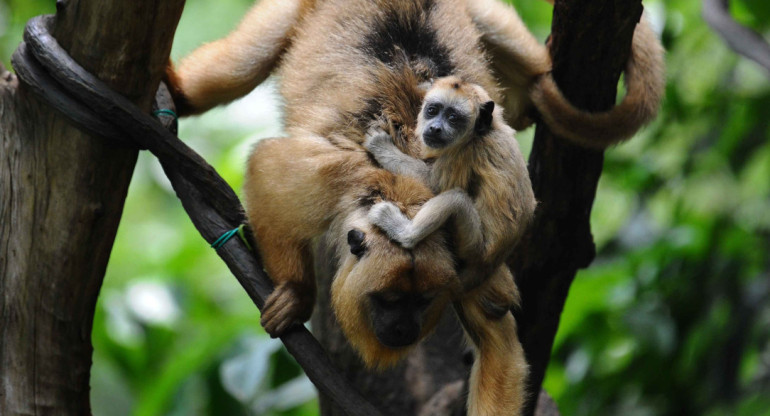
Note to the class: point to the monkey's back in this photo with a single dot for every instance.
(352, 62)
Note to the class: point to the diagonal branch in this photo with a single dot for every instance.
(742, 40)
(212, 205)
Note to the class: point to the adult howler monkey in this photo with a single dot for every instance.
(345, 66)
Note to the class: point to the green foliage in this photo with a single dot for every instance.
(13, 16)
(671, 319)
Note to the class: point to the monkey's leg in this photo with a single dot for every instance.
(430, 218)
(392, 159)
(292, 190)
(228, 68)
(499, 372)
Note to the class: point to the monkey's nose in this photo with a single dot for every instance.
(399, 335)
(406, 334)
(434, 129)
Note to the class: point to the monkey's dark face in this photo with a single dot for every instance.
(387, 298)
(397, 317)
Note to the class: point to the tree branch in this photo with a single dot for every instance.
(590, 45)
(61, 199)
(742, 40)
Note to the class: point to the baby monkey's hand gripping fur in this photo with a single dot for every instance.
(485, 189)
(477, 169)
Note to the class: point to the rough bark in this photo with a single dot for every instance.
(62, 195)
(590, 44)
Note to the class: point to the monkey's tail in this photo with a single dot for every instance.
(645, 84)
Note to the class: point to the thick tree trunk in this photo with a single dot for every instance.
(61, 198)
(590, 45)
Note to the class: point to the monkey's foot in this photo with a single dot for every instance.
(396, 225)
(290, 304)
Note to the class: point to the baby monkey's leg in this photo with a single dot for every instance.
(431, 217)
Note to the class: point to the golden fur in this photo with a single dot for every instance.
(345, 65)
(645, 84)
(312, 41)
(506, 204)
(298, 187)
(486, 164)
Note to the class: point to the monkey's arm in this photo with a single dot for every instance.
(454, 203)
(523, 66)
(228, 68)
(293, 188)
(381, 146)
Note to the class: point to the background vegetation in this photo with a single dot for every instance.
(672, 318)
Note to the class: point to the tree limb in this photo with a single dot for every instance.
(590, 45)
(61, 199)
(742, 40)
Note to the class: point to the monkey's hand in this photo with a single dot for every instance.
(380, 144)
(396, 225)
(376, 140)
(290, 304)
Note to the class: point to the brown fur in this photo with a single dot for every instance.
(494, 165)
(490, 168)
(645, 84)
(316, 40)
(496, 386)
(334, 91)
(298, 187)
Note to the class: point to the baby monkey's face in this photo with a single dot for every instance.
(446, 118)
(449, 114)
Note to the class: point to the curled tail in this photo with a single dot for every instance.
(645, 83)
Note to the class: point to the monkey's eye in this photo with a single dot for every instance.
(454, 118)
(356, 242)
(431, 110)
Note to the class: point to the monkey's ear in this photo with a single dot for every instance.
(484, 120)
(356, 242)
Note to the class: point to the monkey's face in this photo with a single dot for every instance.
(387, 298)
(446, 119)
(452, 113)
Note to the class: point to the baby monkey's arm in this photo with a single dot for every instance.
(381, 146)
(454, 203)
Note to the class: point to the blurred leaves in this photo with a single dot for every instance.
(673, 317)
